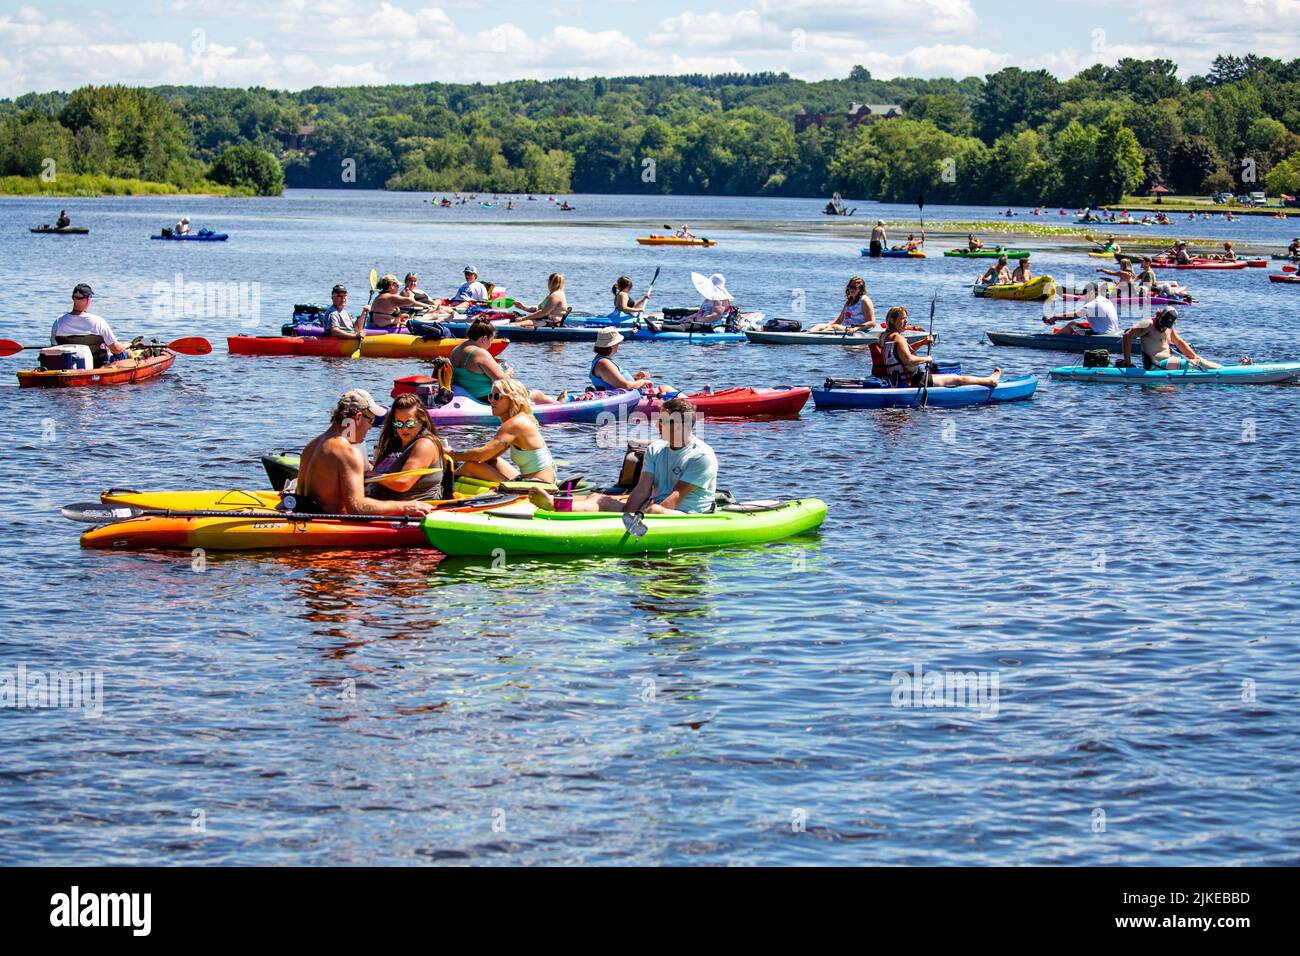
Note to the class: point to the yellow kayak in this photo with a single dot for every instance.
(673, 241)
(1042, 287)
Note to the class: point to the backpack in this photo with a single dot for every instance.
(629, 473)
(782, 325)
(1096, 358)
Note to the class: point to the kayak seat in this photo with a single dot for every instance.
(97, 346)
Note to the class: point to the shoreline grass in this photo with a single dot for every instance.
(82, 185)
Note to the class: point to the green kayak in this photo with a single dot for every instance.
(988, 253)
(552, 532)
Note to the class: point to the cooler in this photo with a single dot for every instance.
(66, 358)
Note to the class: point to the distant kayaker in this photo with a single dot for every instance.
(1293, 250)
(684, 232)
(879, 240)
(408, 442)
(713, 311)
(63, 222)
(1022, 272)
(679, 474)
(471, 290)
(336, 322)
(331, 476)
(83, 327)
(996, 274)
(906, 369)
(1146, 276)
(623, 303)
(475, 370)
(565, 206)
(858, 314)
(386, 310)
(605, 374)
(1097, 311)
(913, 244)
(1127, 278)
(1159, 340)
(519, 438)
(1181, 255)
(410, 288)
(552, 310)
(1229, 254)
(182, 228)
(973, 244)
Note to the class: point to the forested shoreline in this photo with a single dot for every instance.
(1014, 137)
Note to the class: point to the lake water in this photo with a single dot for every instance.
(1121, 562)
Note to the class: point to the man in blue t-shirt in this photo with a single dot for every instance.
(678, 476)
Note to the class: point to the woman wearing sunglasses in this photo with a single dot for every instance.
(519, 438)
(858, 313)
(408, 442)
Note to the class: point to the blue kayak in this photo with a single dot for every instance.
(1259, 373)
(875, 393)
(195, 237)
(588, 333)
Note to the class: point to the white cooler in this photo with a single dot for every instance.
(65, 358)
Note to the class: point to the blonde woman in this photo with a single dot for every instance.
(552, 310)
(858, 313)
(519, 438)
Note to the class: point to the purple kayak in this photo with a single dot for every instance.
(583, 407)
(1130, 299)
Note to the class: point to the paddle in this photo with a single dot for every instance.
(191, 345)
(921, 393)
(361, 327)
(94, 512)
(920, 204)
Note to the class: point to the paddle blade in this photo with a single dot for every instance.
(194, 345)
(10, 347)
(95, 512)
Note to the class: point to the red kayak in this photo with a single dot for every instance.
(742, 402)
(1199, 264)
(384, 345)
(1284, 277)
(118, 373)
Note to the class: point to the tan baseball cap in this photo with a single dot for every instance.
(363, 398)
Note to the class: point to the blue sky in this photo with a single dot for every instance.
(293, 44)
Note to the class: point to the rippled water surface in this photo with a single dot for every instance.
(1122, 562)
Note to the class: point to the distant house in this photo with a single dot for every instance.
(294, 140)
(858, 113)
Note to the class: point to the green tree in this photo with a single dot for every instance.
(249, 167)
(1013, 96)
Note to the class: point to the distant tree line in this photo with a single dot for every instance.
(1015, 136)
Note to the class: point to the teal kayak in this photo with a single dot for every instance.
(1260, 373)
(987, 253)
(552, 532)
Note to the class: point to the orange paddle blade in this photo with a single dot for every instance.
(194, 345)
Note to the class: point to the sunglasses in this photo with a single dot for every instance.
(495, 397)
(404, 425)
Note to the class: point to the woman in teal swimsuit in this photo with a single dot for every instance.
(518, 437)
(474, 370)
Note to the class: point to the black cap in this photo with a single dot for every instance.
(339, 288)
(82, 289)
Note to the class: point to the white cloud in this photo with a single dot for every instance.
(873, 19)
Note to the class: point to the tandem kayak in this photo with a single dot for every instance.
(1055, 342)
(1259, 373)
(987, 253)
(674, 241)
(551, 532)
(822, 338)
(1041, 287)
(583, 407)
(783, 401)
(894, 254)
(55, 231)
(384, 345)
(879, 395)
(195, 237)
(118, 373)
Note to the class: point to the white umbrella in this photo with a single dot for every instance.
(713, 288)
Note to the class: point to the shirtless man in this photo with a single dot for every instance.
(331, 477)
(879, 239)
(1159, 340)
(386, 311)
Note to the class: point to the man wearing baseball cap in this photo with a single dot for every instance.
(471, 289)
(336, 323)
(82, 327)
(332, 473)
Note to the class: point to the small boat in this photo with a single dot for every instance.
(194, 237)
(876, 393)
(1036, 289)
(149, 363)
(1259, 373)
(783, 401)
(372, 346)
(895, 254)
(463, 410)
(674, 241)
(1289, 278)
(1055, 342)
(56, 231)
(860, 339)
(987, 253)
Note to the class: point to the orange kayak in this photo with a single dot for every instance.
(119, 373)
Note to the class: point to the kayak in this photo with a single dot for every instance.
(987, 253)
(746, 317)
(1290, 277)
(780, 402)
(583, 407)
(1055, 342)
(821, 338)
(880, 396)
(241, 532)
(55, 231)
(697, 338)
(384, 345)
(894, 254)
(674, 241)
(284, 466)
(1287, 258)
(1199, 264)
(195, 237)
(1128, 299)
(118, 373)
(551, 532)
(1041, 287)
(1260, 373)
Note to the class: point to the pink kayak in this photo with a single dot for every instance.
(591, 407)
(1130, 299)
(1198, 264)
